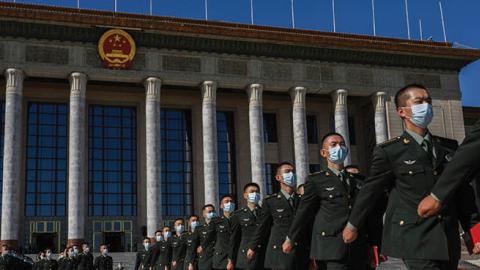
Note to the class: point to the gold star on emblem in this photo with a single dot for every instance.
(406, 141)
(117, 38)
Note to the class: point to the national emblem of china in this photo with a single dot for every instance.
(117, 49)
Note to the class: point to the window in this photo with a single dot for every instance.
(226, 154)
(272, 184)
(177, 193)
(46, 168)
(112, 161)
(312, 130)
(270, 128)
(314, 168)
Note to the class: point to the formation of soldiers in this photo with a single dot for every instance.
(409, 207)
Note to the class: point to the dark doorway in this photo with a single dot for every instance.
(42, 241)
(115, 241)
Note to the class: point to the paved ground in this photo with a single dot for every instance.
(466, 263)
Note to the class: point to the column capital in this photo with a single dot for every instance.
(298, 94)
(209, 91)
(78, 84)
(378, 99)
(152, 88)
(339, 97)
(14, 78)
(255, 92)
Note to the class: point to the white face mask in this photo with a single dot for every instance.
(253, 197)
(86, 249)
(105, 252)
(159, 238)
(194, 225)
(146, 245)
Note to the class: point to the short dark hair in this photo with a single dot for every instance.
(283, 164)
(103, 245)
(158, 231)
(251, 184)
(401, 94)
(146, 238)
(331, 134)
(208, 205)
(177, 219)
(193, 216)
(226, 196)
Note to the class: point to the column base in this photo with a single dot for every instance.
(75, 242)
(13, 244)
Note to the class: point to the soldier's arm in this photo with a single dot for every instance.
(462, 168)
(138, 261)
(380, 180)
(307, 209)
(466, 206)
(235, 238)
(265, 224)
(95, 264)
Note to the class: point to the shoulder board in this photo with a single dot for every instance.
(389, 142)
(316, 173)
(270, 196)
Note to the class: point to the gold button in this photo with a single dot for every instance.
(274, 247)
(402, 222)
(349, 207)
(435, 172)
(410, 172)
(439, 216)
(323, 233)
(331, 196)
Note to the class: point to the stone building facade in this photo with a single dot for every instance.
(103, 155)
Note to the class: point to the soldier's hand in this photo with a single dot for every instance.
(349, 235)
(190, 267)
(250, 254)
(428, 206)
(287, 246)
(199, 249)
(476, 248)
(174, 264)
(230, 265)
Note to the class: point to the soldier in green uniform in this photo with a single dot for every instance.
(329, 196)
(191, 242)
(223, 228)
(85, 258)
(161, 251)
(38, 264)
(207, 235)
(408, 166)
(143, 255)
(103, 261)
(62, 259)
(244, 225)
(278, 211)
(178, 244)
(50, 263)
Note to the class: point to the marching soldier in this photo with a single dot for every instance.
(277, 215)
(70, 262)
(178, 245)
(244, 224)
(141, 261)
(62, 259)
(85, 259)
(161, 251)
(206, 234)
(222, 227)
(408, 166)
(191, 240)
(328, 198)
(50, 263)
(103, 261)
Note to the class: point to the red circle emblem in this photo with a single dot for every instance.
(117, 49)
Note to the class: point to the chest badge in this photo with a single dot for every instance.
(330, 188)
(280, 210)
(246, 219)
(409, 162)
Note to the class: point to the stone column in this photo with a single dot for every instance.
(12, 157)
(257, 153)
(76, 159)
(300, 133)
(153, 144)
(381, 132)
(209, 130)
(341, 118)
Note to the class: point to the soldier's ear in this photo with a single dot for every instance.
(324, 153)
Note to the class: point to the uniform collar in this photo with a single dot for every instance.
(287, 196)
(418, 138)
(335, 171)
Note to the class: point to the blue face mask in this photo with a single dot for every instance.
(229, 207)
(179, 229)
(422, 114)
(338, 154)
(211, 215)
(290, 179)
(194, 225)
(253, 197)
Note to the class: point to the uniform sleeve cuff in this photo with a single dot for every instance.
(435, 197)
(351, 227)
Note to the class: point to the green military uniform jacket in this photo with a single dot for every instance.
(402, 166)
(178, 247)
(103, 263)
(206, 234)
(328, 201)
(223, 230)
(244, 225)
(50, 264)
(191, 242)
(161, 255)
